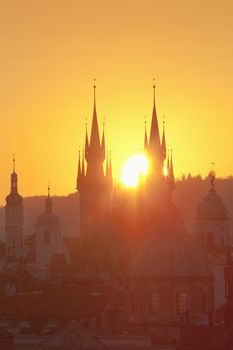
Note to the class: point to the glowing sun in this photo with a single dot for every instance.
(134, 167)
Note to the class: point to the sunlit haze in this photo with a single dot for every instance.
(51, 51)
(133, 169)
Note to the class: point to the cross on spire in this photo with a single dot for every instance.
(13, 163)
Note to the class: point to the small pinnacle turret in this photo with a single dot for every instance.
(146, 145)
(103, 143)
(83, 166)
(164, 142)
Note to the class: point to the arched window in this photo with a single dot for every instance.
(181, 302)
(46, 237)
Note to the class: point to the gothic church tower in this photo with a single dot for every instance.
(94, 186)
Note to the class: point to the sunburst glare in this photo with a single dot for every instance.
(134, 167)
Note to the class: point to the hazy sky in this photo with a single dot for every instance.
(50, 51)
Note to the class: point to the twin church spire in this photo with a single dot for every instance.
(90, 164)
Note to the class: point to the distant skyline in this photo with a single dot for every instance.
(50, 53)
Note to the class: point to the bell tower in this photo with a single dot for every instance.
(14, 221)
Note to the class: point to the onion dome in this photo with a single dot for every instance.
(14, 198)
(48, 218)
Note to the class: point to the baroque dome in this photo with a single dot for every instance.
(212, 206)
(169, 254)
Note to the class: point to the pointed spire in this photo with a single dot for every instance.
(14, 177)
(79, 171)
(164, 141)
(146, 146)
(95, 156)
(86, 142)
(94, 146)
(83, 166)
(103, 142)
(154, 131)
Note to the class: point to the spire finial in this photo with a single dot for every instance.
(154, 88)
(146, 146)
(13, 163)
(86, 124)
(94, 87)
(48, 201)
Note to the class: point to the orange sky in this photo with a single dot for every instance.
(50, 52)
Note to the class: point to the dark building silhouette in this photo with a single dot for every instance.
(14, 221)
